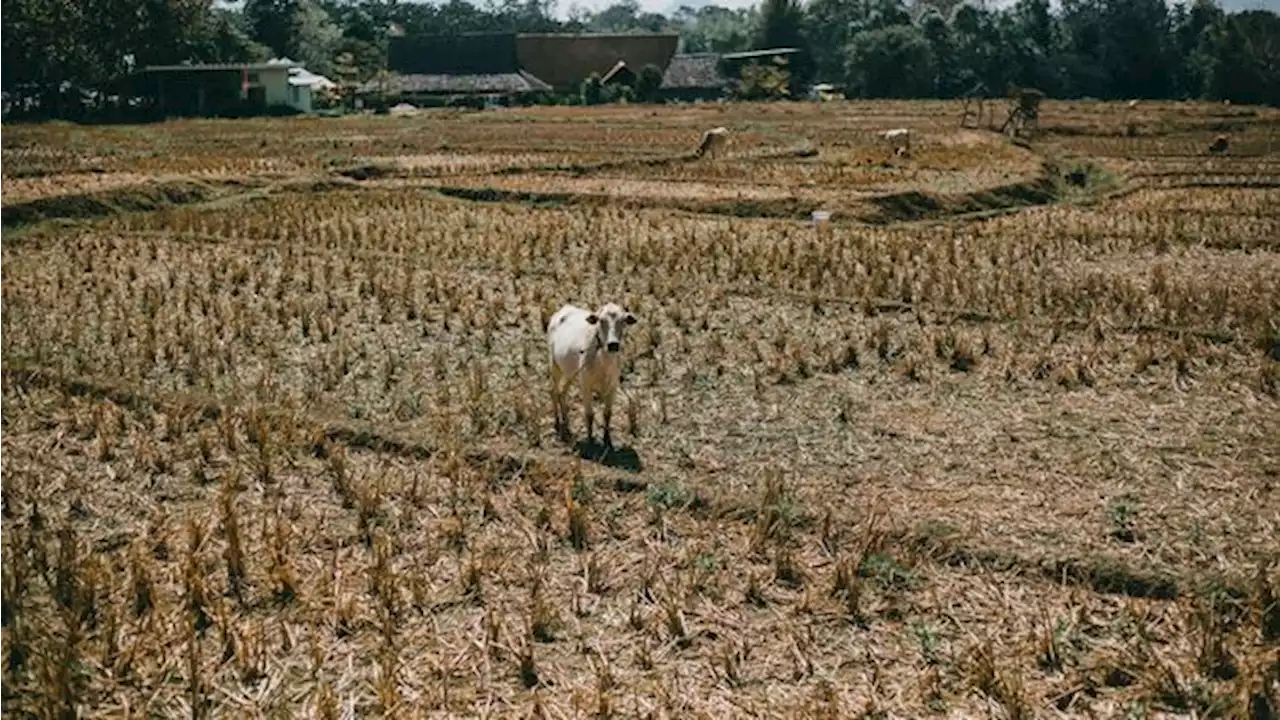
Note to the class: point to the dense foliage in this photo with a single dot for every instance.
(62, 57)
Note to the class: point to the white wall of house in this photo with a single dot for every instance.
(275, 81)
(300, 97)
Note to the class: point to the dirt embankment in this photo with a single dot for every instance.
(138, 198)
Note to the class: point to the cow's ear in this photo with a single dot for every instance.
(592, 319)
(629, 319)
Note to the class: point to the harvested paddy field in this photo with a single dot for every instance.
(1001, 439)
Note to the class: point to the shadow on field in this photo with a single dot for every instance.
(623, 458)
(138, 198)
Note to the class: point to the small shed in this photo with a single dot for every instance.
(227, 88)
(732, 63)
(305, 87)
(825, 92)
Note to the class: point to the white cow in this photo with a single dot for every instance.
(712, 141)
(899, 139)
(586, 346)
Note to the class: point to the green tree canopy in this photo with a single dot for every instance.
(893, 62)
(782, 25)
(647, 83)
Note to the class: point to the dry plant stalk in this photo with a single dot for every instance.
(233, 554)
(347, 379)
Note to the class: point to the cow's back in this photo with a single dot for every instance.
(567, 335)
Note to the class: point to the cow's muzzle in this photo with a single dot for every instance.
(613, 347)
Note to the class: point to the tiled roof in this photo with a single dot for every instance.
(698, 70)
(463, 83)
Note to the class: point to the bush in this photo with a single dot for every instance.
(592, 90)
(763, 82)
(281, 111)
(648, 83)
(475, 102)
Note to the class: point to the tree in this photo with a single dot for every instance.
(67, 53)
(43, 48)
(1035, 23)
(1034, 38)
(894, 62)
(618, 17)
(226, 40)
(830, 25)
(982, 48)
(358, 59)
(272, 22)
(782, 26)
(1134, 48)
(364, 20)
(525, 16)
(592, 90)
(949, 80)
(1246, 58)
(1192, 34)
(647, 83)
(298, 29)
(764, 81)
(65, 57)
(715, 29)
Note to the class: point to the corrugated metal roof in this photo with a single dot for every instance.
(759, 53)
(253, 67)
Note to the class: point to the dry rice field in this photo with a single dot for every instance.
(1001, 439)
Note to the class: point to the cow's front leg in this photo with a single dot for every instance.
(588, 415)
(608, 419)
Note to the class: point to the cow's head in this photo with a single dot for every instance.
(611, 324)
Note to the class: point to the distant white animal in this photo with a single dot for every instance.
(1133, 104)
(899, 139)
(586, 346)
(712, 141)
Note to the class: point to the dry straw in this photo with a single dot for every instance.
(294, 456)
